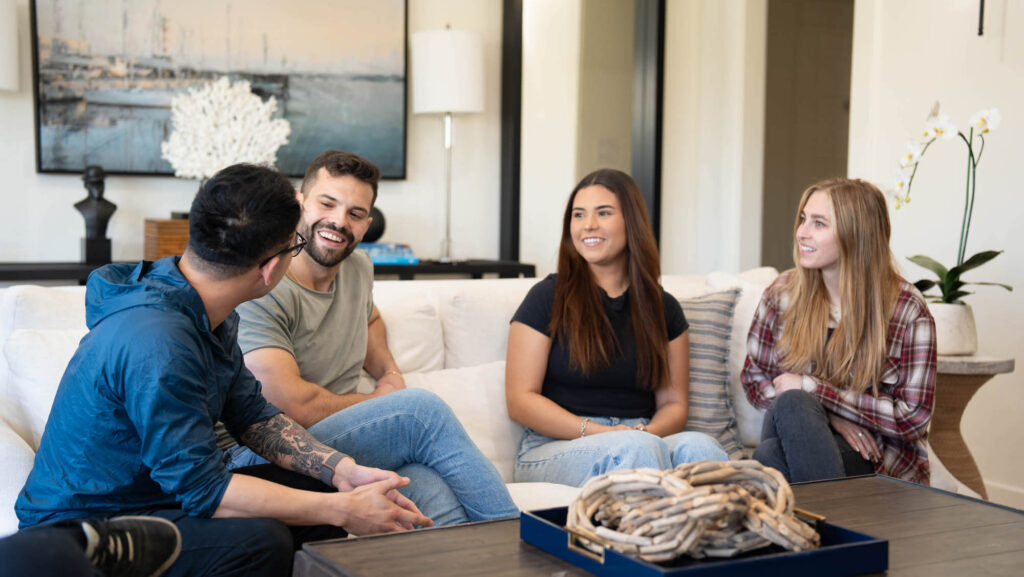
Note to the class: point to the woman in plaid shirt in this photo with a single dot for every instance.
(841, 351)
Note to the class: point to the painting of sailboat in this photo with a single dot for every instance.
(107, 70)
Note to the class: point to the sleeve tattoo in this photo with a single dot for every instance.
(284, 442)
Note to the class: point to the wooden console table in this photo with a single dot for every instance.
(957, 379)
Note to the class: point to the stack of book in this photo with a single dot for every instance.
(389, 253)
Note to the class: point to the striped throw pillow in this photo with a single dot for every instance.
(711, 412)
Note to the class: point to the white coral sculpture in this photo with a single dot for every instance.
(221, 124)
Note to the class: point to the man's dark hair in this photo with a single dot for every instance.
(240, 216)
(339, 163)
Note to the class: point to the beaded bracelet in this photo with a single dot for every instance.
(583, 427)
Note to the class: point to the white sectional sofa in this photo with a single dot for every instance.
(448, 336)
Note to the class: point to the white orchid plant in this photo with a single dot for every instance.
(220, 124)
(939, 127)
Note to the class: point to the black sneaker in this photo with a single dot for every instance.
(135, 546)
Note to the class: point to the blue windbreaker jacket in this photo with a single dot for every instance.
(132, 424)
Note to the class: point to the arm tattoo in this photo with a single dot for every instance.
(284, 442)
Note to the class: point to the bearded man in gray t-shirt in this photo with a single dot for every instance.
(309, 338)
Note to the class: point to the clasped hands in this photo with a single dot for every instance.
(371, 502)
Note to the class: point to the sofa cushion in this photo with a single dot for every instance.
(710, 411)
(414, 333)
(477, 397)
(536, 496)
(475, 317)
(751, 284)
(36, 360)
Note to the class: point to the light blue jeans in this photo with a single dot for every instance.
(414, 433)
(572, 462)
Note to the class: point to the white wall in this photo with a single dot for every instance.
(551, 47)
(713, 135)
(907, 55)
(39, 223)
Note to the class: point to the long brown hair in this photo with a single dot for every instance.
(578, 315)
(869, 285)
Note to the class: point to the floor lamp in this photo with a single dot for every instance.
(448, 79)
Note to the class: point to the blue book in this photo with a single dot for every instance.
(389, 253)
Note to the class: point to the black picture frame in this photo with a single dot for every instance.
(104, 72)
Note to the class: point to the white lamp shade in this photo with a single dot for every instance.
(447, 72)
(8, 45)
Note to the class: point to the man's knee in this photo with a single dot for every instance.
(422, 402)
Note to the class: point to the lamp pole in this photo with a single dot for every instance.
(446, 244)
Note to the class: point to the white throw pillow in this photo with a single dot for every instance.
(477, 396)
(36, 307)
(684, 286)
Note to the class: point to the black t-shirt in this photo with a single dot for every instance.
(613, 392)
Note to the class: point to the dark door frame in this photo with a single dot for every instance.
(648, 82)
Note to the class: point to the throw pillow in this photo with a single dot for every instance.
(711, 412)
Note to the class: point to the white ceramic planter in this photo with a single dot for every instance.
(955, 332)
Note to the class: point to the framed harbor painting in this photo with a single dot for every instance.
(105, 72)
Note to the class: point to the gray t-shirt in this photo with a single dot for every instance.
(325, 332)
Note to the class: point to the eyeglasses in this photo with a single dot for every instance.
(295, 250)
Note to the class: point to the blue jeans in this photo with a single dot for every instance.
(414, 433)
(572, 462)
(797, 439)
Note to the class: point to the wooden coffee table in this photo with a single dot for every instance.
(930, 532)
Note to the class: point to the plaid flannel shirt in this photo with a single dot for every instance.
(898, 416)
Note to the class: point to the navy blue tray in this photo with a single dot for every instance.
(842, 553)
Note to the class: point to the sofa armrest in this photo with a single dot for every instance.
(16, 459)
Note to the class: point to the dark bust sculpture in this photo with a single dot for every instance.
(97, 212)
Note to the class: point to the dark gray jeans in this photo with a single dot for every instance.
(796, 439)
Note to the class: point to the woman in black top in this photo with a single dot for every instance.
(597, 365)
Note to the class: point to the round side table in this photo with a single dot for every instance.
(956, 381)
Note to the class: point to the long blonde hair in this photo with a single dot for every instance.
(869, 285)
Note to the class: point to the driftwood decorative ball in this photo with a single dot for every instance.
(702, 509)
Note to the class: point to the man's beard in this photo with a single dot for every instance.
(328, 258)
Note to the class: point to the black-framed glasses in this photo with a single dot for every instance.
(295, 250)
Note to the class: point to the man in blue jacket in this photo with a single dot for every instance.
(132, 425)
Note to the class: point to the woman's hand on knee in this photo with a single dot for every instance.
(857, 436)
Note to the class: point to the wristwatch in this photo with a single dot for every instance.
(327, 469)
